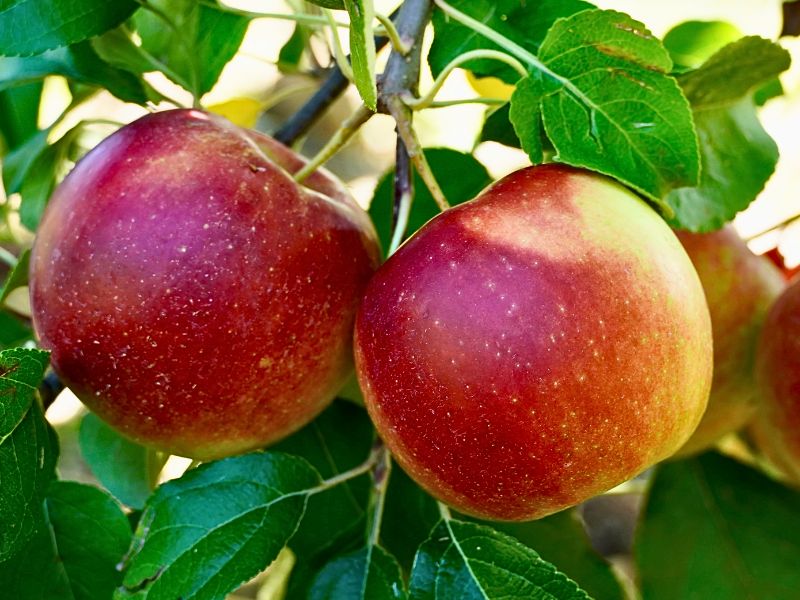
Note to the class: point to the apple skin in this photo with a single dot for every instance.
(740, 287)
(536, 346)
(776, 429)
(192, 294)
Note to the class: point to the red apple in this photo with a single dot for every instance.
(192, 294)
(775, 256)
(776, 429)
(536, 346)
(739, 288)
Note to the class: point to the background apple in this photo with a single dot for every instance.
(739, 288)
(536, 346)
(776, 429)
(775, 256)
(193, 295)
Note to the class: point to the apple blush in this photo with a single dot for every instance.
(192, 294)
(536, 346)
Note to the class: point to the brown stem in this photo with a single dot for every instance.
(403, 195)
(336, 83)
(400, 80)
(791, 18)
(402, 70)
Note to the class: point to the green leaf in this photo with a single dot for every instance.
(292, 51)
(525, 114)
(461, 176)
(561, 540)
(525, 23)
(368, 574)
(219, 525)
(738, 158)
(714, 528)
(117, 48)
(734, 72)
(332, 4)
(21, 371)
(126, 469)
(17, 163)
(409, 515)
(32, 171)
(32, 27)
(737, 155)
(19, 113)
(466, 560)
(39, 183)
(75, 554)
(768, 91)
(336, 441)
(691, 43)
(92, 535)
(79, 63)
(18, 276)
(362, 49)
(195, 45)
(13, 332)
(608, 104)
(498, 127)
(35, 572)
(28, 450)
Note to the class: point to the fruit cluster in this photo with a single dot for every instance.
(519, 354)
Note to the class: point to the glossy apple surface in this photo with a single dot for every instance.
(536, 346)
(740, 287)
(192, 294)
(777, 426)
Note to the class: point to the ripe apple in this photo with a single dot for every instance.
(739, 288)
(776, 257)
(192, 294)
(535, 346)
(776, 429)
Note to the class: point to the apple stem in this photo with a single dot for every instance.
(444, 511)
(375, 455)
(338, 52)
(297, 17)
(8, 257)
(400, 44)
(400, 80)
(426, 100)
(336, 143)
(402, 116)
(403, 196)
(459, 101)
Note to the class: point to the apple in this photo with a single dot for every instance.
(192, 294)
(739, 288)
(776, 257)
(776, 429)
(536, 346)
